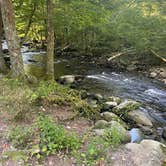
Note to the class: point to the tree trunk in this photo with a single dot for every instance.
(50, 40)
(12, 39)
(3, 67)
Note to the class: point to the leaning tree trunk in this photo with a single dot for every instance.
(12, 39)
(3, 67)
(50, 40)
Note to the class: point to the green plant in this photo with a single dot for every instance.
(54, 138)
(20, 136)
(113, 137)
(94, 152)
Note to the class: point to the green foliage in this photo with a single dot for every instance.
(20, 136)
(97, 25)
(94, 152)
(113, 137)
(55, 138)
(53, 93)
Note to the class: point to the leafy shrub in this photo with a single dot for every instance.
(55, 138)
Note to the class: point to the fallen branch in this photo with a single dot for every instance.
(154, 53)
(121, 53)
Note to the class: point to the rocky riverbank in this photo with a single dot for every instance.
(101, 130)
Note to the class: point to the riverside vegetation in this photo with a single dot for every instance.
(44, 120)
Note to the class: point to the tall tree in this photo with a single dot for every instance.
(12, 39)
(3, 67)
(50, 40)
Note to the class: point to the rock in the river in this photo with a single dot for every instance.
(147, 153)
(114, 99)
(153, 74)
(67, 79)
(109, 105)
(140, 117)
(101, 124)
(109, 116)
(164, 133)
(126, 106)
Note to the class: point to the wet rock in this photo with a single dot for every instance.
(136, 135)
(163, 74)
(101, 124)
(140, 117)
(67, 79)
(109, 116)
(126, 106)
(131, 67)
(153, 74)
(109, 105)
(114, 99)
(164, 133)
(147, 153)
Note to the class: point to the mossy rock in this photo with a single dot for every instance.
(114, 99)
(101, 124)
(125, 107)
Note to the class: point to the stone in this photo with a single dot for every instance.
(110, 104)
(108, 116)
(101, 124)
(131, 67)
(164, 133)
(99, 132)
(67, 79)
(153, 74)
(147, 153)
(117, 127)
(140, 117)
(163, 74)
(126, 106)
(114, 99)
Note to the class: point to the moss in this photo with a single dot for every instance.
(125, 107)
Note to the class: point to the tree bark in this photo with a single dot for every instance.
(12, 39)
(50, 41)
(3, 67)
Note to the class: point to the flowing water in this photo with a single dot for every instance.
(150, 93)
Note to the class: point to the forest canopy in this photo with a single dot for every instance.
(96, 25)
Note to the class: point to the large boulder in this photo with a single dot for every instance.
(147, 153)
(126, 106)
(140, 118)
(109, 116)
(115, 129)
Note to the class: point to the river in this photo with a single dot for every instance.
(151, 93)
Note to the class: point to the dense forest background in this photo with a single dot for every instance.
(96, 26)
